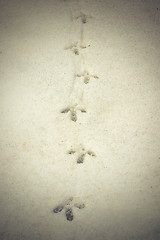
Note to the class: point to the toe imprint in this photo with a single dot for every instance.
(69, 214)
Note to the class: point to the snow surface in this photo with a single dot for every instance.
(120, 185)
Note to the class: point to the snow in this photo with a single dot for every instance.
(117, 119)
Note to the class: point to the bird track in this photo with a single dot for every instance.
(87, 76)
(68, 206)
(84, 17)
(73, 111)
(82, 152)
(76, 47)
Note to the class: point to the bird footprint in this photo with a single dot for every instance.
(76, 47)
(84, 17)
(82, 152)
(73, 111)
(68, 206)
(87, 76)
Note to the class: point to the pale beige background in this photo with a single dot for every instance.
(120, 187)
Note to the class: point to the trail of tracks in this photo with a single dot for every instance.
(77, 47)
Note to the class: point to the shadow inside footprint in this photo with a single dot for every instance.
(71, 152)
(76, 51)
(81, 158)
(69, 214)
(58, 209)
(73, 115)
